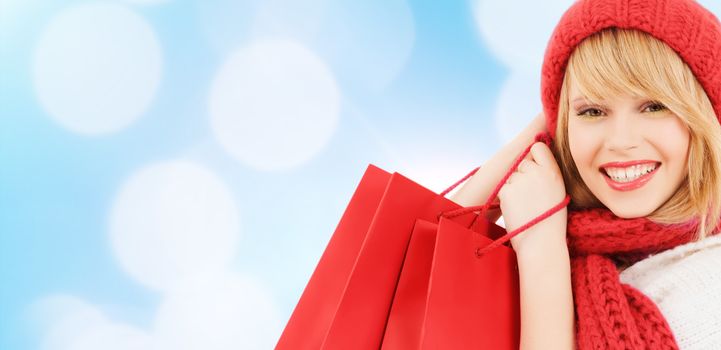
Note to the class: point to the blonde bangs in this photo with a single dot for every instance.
(616, 62)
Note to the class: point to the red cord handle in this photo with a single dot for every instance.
(540, 137)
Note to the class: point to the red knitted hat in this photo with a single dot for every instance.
(684, 25)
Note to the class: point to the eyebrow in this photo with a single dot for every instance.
(583, 99)
(579, 99)
(577, 103)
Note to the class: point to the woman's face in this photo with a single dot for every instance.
(630, 152)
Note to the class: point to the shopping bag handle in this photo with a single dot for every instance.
(544, 137)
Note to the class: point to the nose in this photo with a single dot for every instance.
(622, 133)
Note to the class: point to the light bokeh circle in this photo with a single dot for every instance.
(171, 219)
(274, 105)
(96, 68)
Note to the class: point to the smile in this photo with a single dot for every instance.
(631, 179)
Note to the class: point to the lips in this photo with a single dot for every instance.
(628, 186)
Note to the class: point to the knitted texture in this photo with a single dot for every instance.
(611, 315)
(688, 28)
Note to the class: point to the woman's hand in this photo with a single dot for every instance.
(535, 187)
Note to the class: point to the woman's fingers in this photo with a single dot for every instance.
(543, 156)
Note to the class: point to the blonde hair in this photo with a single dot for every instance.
(618, 61)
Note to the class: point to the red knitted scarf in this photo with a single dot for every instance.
(610, 314)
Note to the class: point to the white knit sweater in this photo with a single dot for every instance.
(685, 283)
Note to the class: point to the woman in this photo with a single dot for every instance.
(632, 97)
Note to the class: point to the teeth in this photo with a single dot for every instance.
(630, 173)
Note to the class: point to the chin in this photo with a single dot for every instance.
(629, 212)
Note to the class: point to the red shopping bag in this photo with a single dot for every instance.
(473, 299)
(449, 298)
(345, 304)
(458, 287)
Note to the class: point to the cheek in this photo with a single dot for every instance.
(582, 147)
(673, 137)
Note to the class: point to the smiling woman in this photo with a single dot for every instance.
(631, 92)
(634, 100)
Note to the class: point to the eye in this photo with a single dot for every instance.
(657, 106)
(593, 111)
